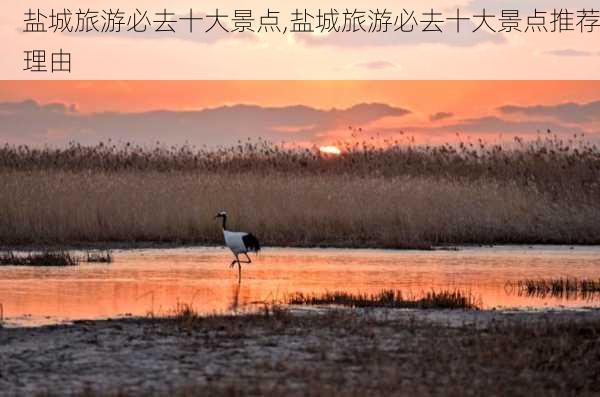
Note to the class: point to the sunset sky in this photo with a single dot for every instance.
(304, 112)
(330, 85)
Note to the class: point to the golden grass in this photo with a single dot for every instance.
(397, 196)
(549, 161)
(65, 207)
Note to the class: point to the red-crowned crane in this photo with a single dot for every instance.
(238, 243)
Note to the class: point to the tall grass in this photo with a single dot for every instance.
(548, 161)
(392, 196)
(390, 299)
(102, 256)
(569, 288)
(44, 259)
(50, 258)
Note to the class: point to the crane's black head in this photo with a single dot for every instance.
(222, 214)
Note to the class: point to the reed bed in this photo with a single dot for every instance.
(569, 288)
(186, 317)
(44, 259)
(53, 258)
(103, 256)
(400, 196)
(390, 299)
(548, 161)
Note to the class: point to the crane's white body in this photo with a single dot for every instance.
(234, 241)
(238, 243)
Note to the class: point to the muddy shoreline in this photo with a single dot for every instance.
(309, 352)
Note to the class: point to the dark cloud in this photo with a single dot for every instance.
(32, 123)
(440, 116)
(568, 112)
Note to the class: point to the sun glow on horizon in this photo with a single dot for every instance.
(330, 150)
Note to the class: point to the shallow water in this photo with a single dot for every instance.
(154, 281)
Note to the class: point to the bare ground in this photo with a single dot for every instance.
(310, 352)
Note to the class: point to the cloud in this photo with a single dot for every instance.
(568, 112)
(376, 65)
(32, 106)
(489, 126)
(497, 125)
(572, 53)
(56, 124)
(440, 116)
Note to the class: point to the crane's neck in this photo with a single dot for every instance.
(224, 222)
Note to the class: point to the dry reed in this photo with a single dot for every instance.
(390, 299)
(46, 258)
(569, 288)
(103, 256)
(393, 196)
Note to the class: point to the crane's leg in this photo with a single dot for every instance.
(236, 260)
(240, 265)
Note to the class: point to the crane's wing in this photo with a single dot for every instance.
(251, 242)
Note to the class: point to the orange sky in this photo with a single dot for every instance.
(471, 108)
(463, 97)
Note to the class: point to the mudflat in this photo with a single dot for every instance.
(320, 351)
